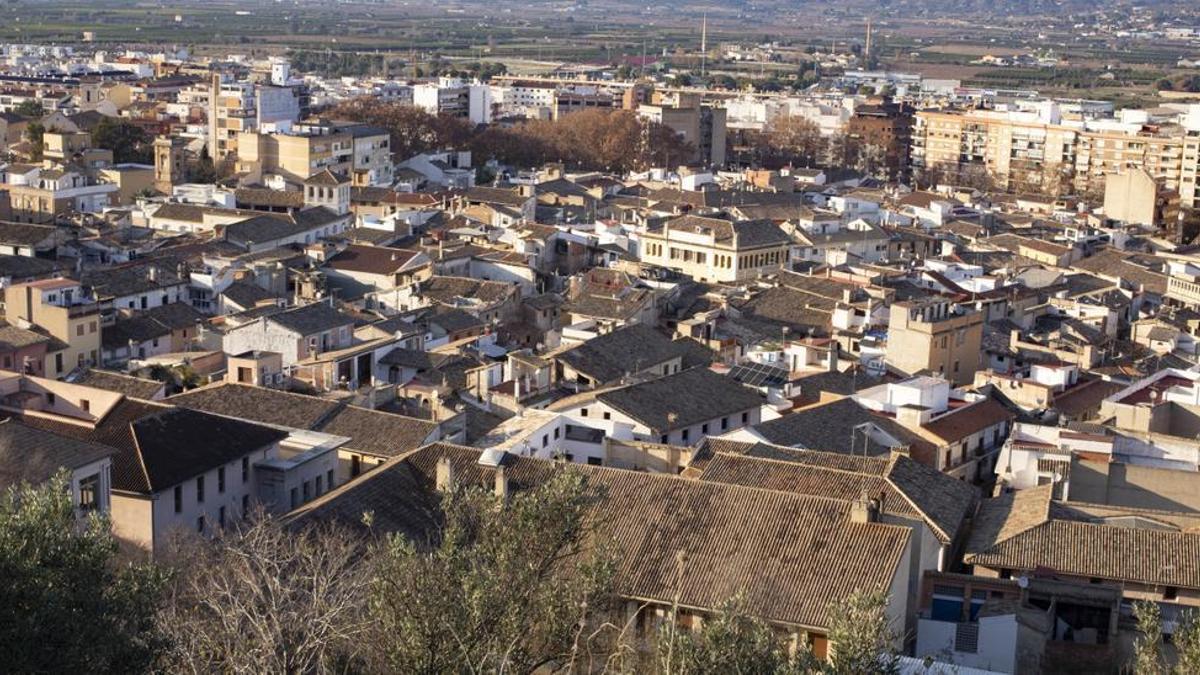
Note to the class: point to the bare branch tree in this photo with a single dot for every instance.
(264, 598)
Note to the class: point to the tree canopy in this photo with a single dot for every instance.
(66, 603)
(128, 142)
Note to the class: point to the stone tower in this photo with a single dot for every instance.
(169, 166)
(328, 189)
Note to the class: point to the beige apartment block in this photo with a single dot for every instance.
(1026, 153)
(62, 308)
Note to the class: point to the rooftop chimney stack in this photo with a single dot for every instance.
(865, 510)
(445, 475)
(501, 487)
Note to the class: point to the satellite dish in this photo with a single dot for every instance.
(1023, 581)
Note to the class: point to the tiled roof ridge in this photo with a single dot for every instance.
(822, 467)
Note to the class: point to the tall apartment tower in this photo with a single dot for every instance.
(931, 336)
(169, 166)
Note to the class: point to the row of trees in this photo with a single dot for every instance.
(796, 141)
(510, 587)
(128, 141)
(607, 140)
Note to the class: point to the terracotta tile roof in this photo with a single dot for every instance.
(374, 432)
(267, 197)
(33, 455)
(682, 399)
(13, 337)
(791, 555)
(955, 426)
(1112, 263)
(1129, 554)
(907, 488)
(626, 350)
(370, 259)
(137, 387)
(268, 406)
(378, 433)
(159, 446)
(1007, 515)
(805, 479)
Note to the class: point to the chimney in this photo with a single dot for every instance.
(152, 273)
(445, 475)
(913, 416)
(501, 489)
(865, 510)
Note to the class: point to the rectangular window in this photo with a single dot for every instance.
(685, 434)
(245, 469)
(221, 480)
(594, 461)
(545, 440)
(355, 465)
(319, 483)
(295, 498)
(245, 504)
(221, 516)
(307, 491)
(608, 416)
(89, 493)
(329, 479)
(724, 423)
(178, 498)
(200, 524)
(200, 489)
(704, 428)
(583, 412)
(745, 418)
(85, 405)
(556, 433)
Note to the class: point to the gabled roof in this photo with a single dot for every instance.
(268, 197)
(1026, 530)
(831, 427)
(781, 550)
(325, 178)
(246, 295)
(31, 455)
(905, 487)
(312, 318)
(13, 337)
(258, 404)
(380, 260)
(136, 387)
(159, 446)
(683, 399)
(631, 349)
(957, 425)
(376, 432)
(117, 282)
(373, 432)
(20, 267)
(25, 234)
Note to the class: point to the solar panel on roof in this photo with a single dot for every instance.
(759, 374)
